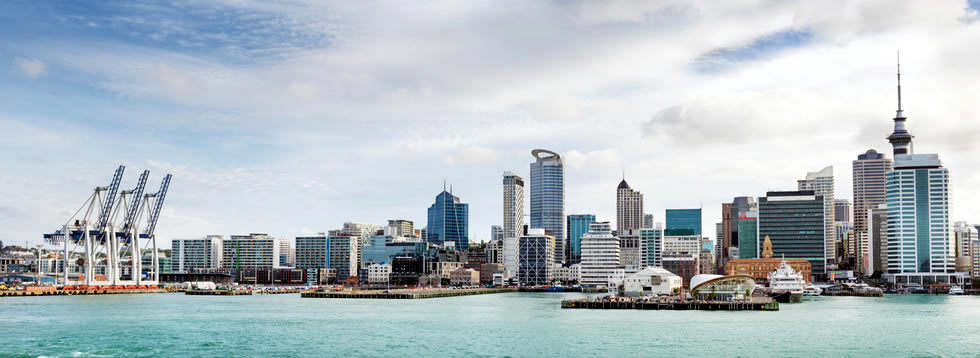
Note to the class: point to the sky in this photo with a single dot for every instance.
(293, 117)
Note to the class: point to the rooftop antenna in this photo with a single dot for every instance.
(898, 66)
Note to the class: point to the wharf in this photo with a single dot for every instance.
(868, 293)
(406, 294)
(218, 292)
(91, 291)
(756, 304)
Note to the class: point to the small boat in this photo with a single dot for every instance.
(811, 290)
(956, 290)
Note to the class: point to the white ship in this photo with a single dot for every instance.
(956, 290)
(811, 290)
(786, 284)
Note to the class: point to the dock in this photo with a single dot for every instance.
(755, 304)
(244, 292)
(77, 292)
(406, 294)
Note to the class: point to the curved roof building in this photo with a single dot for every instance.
(719, 287)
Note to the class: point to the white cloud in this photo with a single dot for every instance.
(31, 67)
(365, 122)
(471, 154)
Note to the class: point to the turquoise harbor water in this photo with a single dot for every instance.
(513, 324)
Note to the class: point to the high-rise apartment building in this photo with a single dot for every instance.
(600, 255)
(535, 258)
(578, 225)
(196, 254)
(651, 246)
(629, 207)
(287, 253)
(794, 222)
(449, 222)
(342, 255)
(683, 222)
(869, 185)
(822, 184)
(548, 197)
(513, 205)
(252, 251)
(363, 232)
(401, 227)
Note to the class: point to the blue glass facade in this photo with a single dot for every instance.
(548, 195)
(382, 250)
(449, 221)
(548, 198)
(578, 225)
(683, 222)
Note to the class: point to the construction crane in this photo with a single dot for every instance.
(106, 250)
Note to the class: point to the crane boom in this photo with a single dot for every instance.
(110, 198)
(135, 204)
(157, 205)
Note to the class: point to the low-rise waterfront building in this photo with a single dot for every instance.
(464, 277)
(487, 270)
(650, 281)
(684, 265)
(407, 270)
(721, 288)
(760, 268)
(379, 273)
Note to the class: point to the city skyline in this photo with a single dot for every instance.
(326, 121)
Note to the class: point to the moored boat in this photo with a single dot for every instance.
(786, 280)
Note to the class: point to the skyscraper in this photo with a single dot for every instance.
(842, 210)
(725, 234)
(513, 205)
(629, 208)
(920, 241)
(448, 222)
(683, 222)
(822, 184)
(535, 258)
(548, 198)
(794, 222)
(748, 235)
(869, 185)
(651, 246)
(647, 221)
(578, 225)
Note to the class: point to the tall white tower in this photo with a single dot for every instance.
(629, 208)
(513, 205)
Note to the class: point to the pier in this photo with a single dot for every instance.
(625, 303)
(406, 294)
